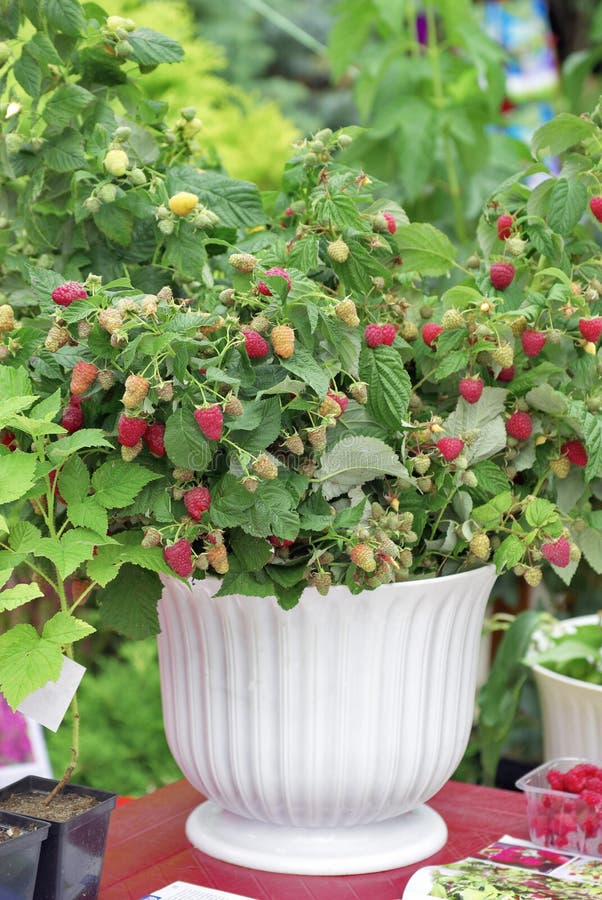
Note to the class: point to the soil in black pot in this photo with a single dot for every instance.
(62, 808)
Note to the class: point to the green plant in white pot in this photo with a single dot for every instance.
(566, 660)
(325, 430)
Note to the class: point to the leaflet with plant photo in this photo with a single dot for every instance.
(510, 869)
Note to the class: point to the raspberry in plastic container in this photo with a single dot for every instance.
(564, 805)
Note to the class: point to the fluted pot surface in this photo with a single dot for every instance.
(342, 711)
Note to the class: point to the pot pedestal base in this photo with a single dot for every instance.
(352, 850)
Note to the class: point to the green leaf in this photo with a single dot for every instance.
(546, 399)
(152, 48)
(229, 500)
(237, 203)
(540, 513)
(355, 460)
(85, 437)
(590, 545)
(27, 72)
(17, 475)
(389, 385)
(265, 432)
(303, 254)
(564, 131)
(65, 102)
(12, 406)
(66, 16)
(16, 596)
(304, 366)
(455, 361)
(129, 603)
(48, 408)
(118, 483)
(509, 553)
(425, 249)
(185, 251)
(356, 274)
(239, 581)
(87, 513)
(27, 662)
(64, 629)
(24, 537)
(490, 514)
(568, 200)
(68, 552)
(491, 479)
(74, 480)
(65, 153)
(115, 223)
(185, 443)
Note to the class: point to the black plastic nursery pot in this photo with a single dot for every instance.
(72, 855)
(19, 856)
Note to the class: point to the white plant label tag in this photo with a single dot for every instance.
(182, 890)
(49, 703)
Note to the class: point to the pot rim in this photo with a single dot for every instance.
(544, 672)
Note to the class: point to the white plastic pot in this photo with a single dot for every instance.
(318, 733)
(571, 710)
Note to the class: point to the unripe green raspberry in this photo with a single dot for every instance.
(421, 464)
(137, 176)
(322, 582)
(122, 134)
(503, 355)
(473, 262)
(13, 143)
(107, 193)
(259, 324)
(362, 556)
(480, 546)
(424, 484)
(295, 445)
(152, 538)
(338, 250)
(344, 140)
(124, 49)
(166, 226)
(116, 163)
(408, 331)
(243, 262)
(469, 479)
(317, 437)
(532, 576)
(110, 320)
(92, 204)
(265, 467)
(359, 392)
(515, 246)
(452, 318)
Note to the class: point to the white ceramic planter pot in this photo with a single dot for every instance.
(571, 710)
(318, 733)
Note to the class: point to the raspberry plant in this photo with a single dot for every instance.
(338, 449)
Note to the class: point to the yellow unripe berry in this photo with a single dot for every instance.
(183, 203)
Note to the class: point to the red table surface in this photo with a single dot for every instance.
(147, 848)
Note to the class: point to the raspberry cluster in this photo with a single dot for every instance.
(572, 823)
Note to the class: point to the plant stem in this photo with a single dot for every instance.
(453, 181)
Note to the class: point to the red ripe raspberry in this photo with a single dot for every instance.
(210, 420)
(130, 430)
(450, 448)
(178, 557)
(279, 542)
(595, 204)
(9, 440)
(504, 226)
(262, 288)
(591, 329)
(573, 781)
(387, 334)
(373, 336)
(594, 783)
(519, 426)
(72, 418)
(533, 341)
(506, 374)
(471, 389)
(341, 399)
(555, 779)
(197, 501)
(256, 346)
(576, 452)
(155, 438)
(282, 273)
(501, 275)
(559, 554)
(66, 293)
(391, 223)
(430, 333)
